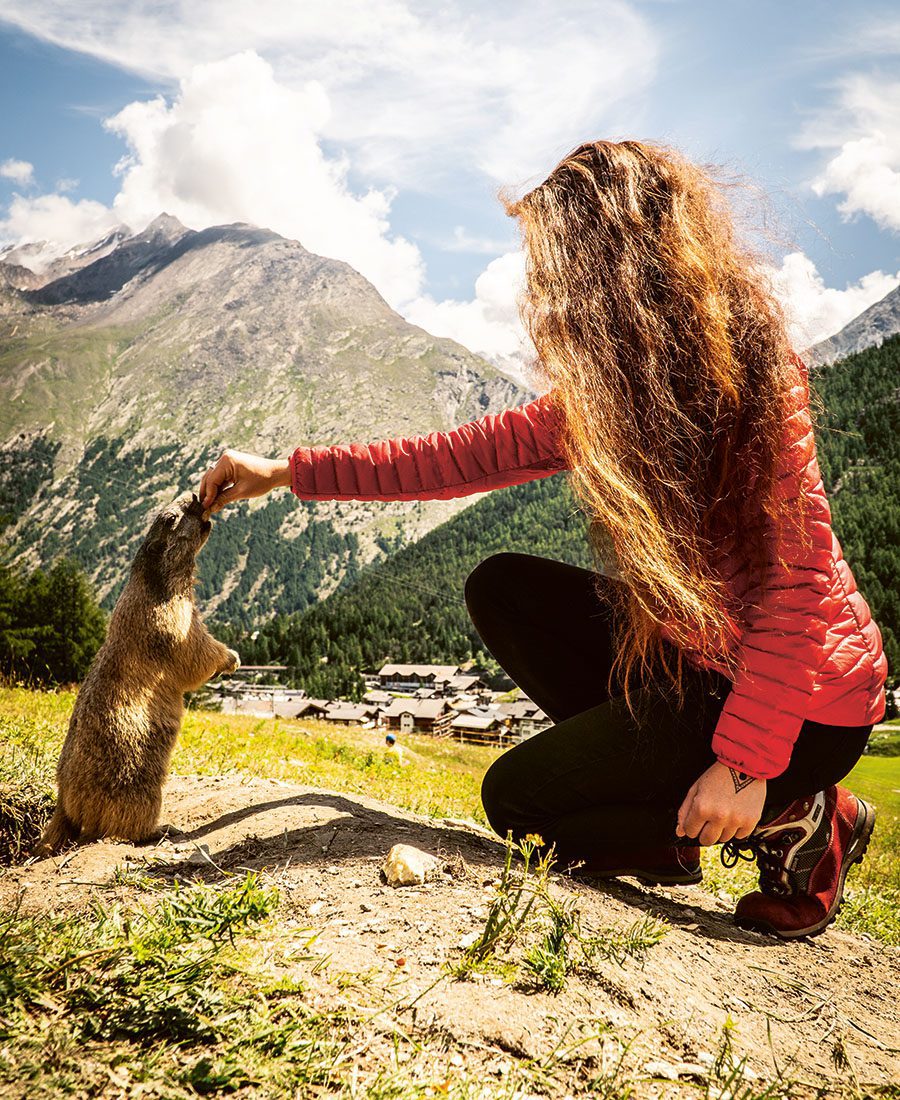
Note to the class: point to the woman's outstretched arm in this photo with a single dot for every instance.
(500, 449)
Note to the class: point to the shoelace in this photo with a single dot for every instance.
(733, 851)
(771, 869)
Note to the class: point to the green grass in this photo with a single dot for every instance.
(174, 995)
(443, 780)
(886, 742)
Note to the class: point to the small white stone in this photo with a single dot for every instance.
(670, 1072)
(316, 908)
(408, 866)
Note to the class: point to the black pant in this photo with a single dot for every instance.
(599, 777)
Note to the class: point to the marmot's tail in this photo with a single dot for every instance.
(60, 831)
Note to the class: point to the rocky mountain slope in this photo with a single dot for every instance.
(870, 329)
(124, 376)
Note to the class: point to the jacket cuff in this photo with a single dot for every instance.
(302, 480)
(740, 766)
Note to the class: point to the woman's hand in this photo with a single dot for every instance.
(238, 476)
(722, 804)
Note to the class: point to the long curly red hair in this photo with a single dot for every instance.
(659, 334)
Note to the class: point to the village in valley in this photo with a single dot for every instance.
(441, 700)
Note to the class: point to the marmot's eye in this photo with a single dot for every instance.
(171, 519)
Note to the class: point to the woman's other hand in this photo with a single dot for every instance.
(238, 476)
(722, 804)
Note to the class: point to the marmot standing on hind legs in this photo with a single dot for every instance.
(126, 718)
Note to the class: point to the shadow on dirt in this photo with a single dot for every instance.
(355, 831)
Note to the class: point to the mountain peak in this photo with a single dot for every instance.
(164, 226)
(869, 329)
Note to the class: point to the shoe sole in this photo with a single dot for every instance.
(856, 850)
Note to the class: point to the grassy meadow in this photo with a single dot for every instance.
(442, 780)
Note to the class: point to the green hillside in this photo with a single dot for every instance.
(411, 607)
(103, 502)
(859, 453)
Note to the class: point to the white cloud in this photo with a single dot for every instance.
(236, 145)
(861, 131)
(330, 108)
(489, 324)
(419, 92)
(816, 311)
(19, 171)
(55, 221)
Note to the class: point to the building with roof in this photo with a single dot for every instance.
(413, 677)
(524, 717)
(376, 697)
(309, 708)
(481, 728)
(351, 714)
(418, 715)
(423, 680)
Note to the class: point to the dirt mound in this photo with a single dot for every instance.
(816, 1012)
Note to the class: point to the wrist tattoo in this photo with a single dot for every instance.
(741, 780)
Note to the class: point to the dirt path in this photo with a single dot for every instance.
(820, 1011)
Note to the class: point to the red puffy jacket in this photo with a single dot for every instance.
(811, 649)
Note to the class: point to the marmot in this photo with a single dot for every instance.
(128, 712)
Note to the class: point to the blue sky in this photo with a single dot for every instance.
(378, 131)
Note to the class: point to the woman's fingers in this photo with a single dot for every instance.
(684, 810)
(228, 496)
(711, 833)
(697, 821)
(213, 480)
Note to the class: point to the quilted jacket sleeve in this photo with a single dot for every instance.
(784, 643)
(500, 449)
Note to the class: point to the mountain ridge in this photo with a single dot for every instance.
(124, 377)
(868, 329)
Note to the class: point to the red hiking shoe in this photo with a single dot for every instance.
(803, 857)
(661, 866)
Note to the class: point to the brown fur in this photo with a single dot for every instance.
(128, 712)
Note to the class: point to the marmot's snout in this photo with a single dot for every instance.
(195, 509)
